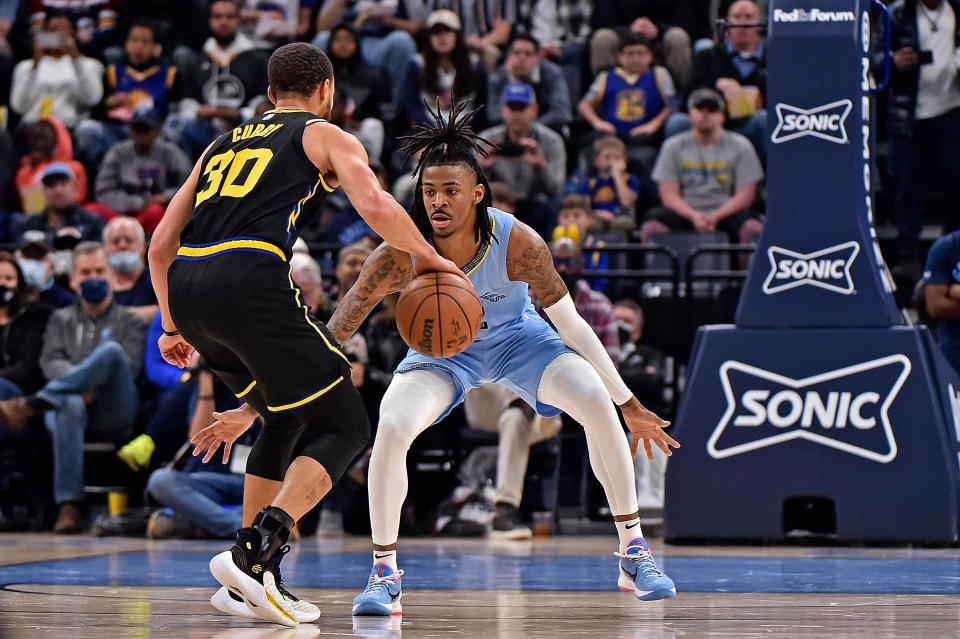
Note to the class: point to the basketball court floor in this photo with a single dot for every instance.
(559, 586)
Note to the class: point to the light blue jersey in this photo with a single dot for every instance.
(514, 345)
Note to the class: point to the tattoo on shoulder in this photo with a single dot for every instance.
(529, 260)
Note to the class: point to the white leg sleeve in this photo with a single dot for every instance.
(413, 401)
(571, 384)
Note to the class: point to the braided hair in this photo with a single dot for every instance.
(450, 142)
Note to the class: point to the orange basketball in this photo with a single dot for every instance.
(439, 314)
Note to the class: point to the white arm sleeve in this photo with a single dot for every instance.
(577, 334)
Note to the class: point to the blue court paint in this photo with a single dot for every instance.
(310, 568)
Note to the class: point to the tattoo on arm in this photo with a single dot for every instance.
(385, 271)
(529, 260)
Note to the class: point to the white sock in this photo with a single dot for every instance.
(628, 531)
(388, 557)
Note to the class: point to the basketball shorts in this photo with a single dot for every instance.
(514, 356)
(246, 318)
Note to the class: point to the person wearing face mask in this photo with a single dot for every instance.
(643, 370)
(23, 319)
(92, 353)
(34, 257)
(126, 246)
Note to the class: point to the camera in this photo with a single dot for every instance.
(50, 40)
(511, 150)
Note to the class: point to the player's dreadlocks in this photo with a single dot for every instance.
(450, 141)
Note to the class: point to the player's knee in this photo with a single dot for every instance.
(395, 432)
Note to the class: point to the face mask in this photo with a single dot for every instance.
(125, 261)
(6, 295)
(95, 290)
(34, 273)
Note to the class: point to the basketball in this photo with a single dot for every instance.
(439, 314)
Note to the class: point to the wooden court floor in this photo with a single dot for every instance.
(564, 586)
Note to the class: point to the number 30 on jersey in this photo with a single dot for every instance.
(232, 163)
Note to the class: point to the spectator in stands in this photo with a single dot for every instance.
(942, 294)
(445, 69)
(58, 81)
(496, 409)
(737, 69)
(139, 83)
(592, 305)
(62, 214)
(202, 499)
(369, 131)
(924, 117)
(613, 192)
(140, 175)
(562, 27)
(126, 247)
(48, 141)
(524, 64)
(669, 24)
(93, 20)
(36, 265)
(92, 353)
(23, 319)
(175, 25)
(340, 221)
(385, 28)
(8, 14)
(530, 157)
(369, 86)
(575, 221)
(632, 101)
(707, 177)
(307, 275)
(487, 26)
(270, 23)
(349, 263)
(643, 369)
(224, 86)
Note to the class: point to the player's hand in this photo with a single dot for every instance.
(645, 425)
(436, 263)
(175, 350)
(228, 427)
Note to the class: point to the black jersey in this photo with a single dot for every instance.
(255, 189)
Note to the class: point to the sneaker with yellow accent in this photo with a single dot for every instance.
(247, 569)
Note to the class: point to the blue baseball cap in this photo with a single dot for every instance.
(57, 169)
(518, 92)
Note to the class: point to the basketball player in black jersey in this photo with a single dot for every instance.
(219, 266)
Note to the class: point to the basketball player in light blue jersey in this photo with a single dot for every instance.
(569, 371)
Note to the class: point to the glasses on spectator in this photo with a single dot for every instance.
(708, 106)
(517, 106)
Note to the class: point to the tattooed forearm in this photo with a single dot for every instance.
(385, 271)
(529, 260)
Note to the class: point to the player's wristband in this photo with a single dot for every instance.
(171, 333)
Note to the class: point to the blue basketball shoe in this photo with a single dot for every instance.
(639, 573)
(381, 597)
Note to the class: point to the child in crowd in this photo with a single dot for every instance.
(575, 221)
(612, 191)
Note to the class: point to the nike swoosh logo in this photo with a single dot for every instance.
(629, 526)
(381, 556)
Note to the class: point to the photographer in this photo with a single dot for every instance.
(924, 117)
